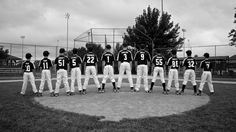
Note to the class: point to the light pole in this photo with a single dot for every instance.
(22, 42)
(161, 7)
(67, 16)
(184, 30)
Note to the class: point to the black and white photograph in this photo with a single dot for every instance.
(117, 65)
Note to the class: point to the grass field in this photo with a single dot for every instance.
(19, 113)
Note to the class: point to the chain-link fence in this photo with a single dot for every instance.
(221, 55)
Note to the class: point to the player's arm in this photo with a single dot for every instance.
(103, 64)
(131, 59)
(118, 60)
(33, 69)
(84, 61)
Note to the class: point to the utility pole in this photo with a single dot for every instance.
(22, 45)
(67, 16)
(184, 30)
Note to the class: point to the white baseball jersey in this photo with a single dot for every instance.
(173, 63)
(158, 62)
(108, 70)
(28, 76)
(142, 58)
(125, 57)
(206, 65)
(91, 60)
(189, 63)
(45, 65)
(61, 63)
(75, 62)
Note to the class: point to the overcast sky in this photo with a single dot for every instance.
(43, 21)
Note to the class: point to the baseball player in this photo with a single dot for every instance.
(46, 65)
(158, 62)
(108, 71)
(75, 65)
(189, 63)
(173, 63)
(206, 66)
(124, 59)
(90, 60)
(142, 59)
(28, 75)
(62, 65)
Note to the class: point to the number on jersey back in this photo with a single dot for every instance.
(45, 64)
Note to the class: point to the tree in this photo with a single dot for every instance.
(97, 49)
(155, 31)
(232, 33)
(3, 53)
(117, 49)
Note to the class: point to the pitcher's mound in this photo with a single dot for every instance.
(125, 104)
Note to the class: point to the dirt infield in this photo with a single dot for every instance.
(116, 106)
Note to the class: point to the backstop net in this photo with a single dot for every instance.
(103, 36)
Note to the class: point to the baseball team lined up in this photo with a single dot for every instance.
(142, 60)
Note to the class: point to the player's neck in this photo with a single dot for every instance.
(45, 57)
(27, 59)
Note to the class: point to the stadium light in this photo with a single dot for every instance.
(67, 16)
(22, 43)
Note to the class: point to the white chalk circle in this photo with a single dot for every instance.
(125, 104)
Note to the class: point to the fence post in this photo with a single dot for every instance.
(35, 52)
(215, 59)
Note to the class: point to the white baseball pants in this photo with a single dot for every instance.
(142, 72)
(46, 75)
(125, 67)
(160, 71)
(173, 74)
(28, 76)
(189, 74)
(91, 70)
(62, 75)
(75, 75)
(108, 73)
(206, 76)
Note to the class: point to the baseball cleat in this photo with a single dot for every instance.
(80, 92)
(68, 93)
(22, 94)
(72, 93)
(56, 95)
(199, 94)
(114, 90)
(36, 94)
(84, 91)
(177, 92)
(40, 94)
(181, 93)
(103, 90)
(118, 90)
(52, 94)
(211, 93)
(99, 90)
(164, 92)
